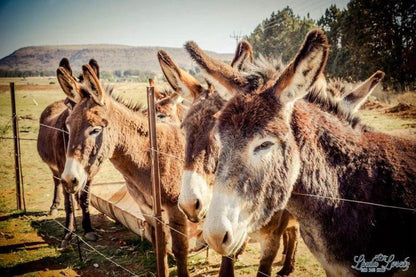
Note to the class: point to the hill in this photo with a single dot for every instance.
(110, 57)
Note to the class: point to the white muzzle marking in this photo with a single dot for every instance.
(194, 188)
(74, 175)
(224, 229)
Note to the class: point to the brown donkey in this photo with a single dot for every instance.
(51, 147)
(99, 128)
(201, 149)
(201, 154)
(277, 150)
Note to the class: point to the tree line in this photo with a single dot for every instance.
(366, 36)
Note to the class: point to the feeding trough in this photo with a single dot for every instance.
(114, 200)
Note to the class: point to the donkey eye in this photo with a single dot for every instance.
(265, 145)
(161, 115)
(96, 131)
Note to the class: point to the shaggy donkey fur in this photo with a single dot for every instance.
(303, 149)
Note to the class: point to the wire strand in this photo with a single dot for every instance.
(54, 128)
(95, 250)
(355, 201)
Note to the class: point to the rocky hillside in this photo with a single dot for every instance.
(110, 57)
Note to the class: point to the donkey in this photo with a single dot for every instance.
(170, 106)
(201, 150)
(201, 154)
(51, 147)
(278, 151)
(99, 128)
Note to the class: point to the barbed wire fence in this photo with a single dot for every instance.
(150, 149)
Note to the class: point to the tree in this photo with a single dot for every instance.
(381, 34)
(280, 35)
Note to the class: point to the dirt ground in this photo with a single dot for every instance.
(30, 242)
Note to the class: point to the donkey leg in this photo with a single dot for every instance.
(227, 267)
(269, 246)
(285, 237)
(227, 262)
(289, 264)
(57, 191)
(84, 200)
(179, 234)
(69, 219)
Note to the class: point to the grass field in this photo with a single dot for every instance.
(29, 243)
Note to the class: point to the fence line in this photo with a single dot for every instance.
(355, 201)
(296, 193)
(173, 229)
(32, 139)
(54, 128)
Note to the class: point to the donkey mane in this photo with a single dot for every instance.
(206, 106)
(337, 87)
(128, 103)
(263, 70)
(332, 106)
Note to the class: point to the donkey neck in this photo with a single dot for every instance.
(340, 162)
(130, 138)
(131, 155)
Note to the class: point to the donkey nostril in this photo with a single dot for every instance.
(224, 240)
(74, 181)
(197, 204)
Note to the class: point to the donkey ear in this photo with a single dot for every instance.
(301, 74)
(357, 97)
(68, 84)
(222, 73)
(94, 65)
(243, 55)
(93, 84)
(65, 64)
(181, 81)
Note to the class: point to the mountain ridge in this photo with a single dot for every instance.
(110, 57)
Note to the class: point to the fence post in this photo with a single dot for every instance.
(160, 246)
(19, 196)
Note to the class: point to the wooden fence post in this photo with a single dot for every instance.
(17, 163)
(160, 244)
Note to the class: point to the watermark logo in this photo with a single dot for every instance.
(380, 263)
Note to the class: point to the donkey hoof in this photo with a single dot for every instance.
(91, 236)
(53, 212)
(285, 271)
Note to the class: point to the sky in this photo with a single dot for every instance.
(140, 23)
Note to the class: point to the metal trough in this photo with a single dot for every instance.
(114, 200)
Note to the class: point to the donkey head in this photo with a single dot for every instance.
(86, 124)
(201, 151)
(170, 107)
(199, 166)
(259, 159)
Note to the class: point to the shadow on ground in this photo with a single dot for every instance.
(29, 243)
